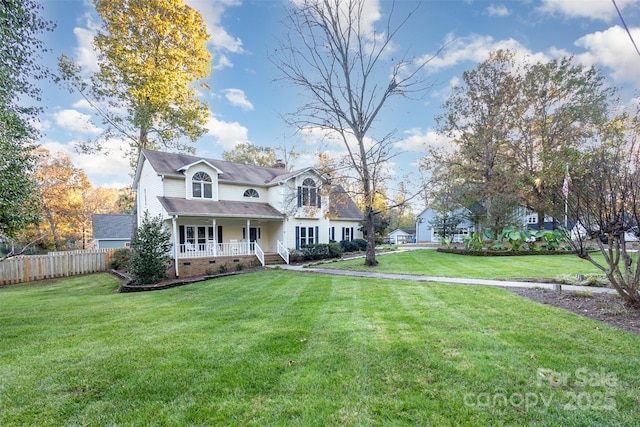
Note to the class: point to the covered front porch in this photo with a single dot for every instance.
(212, 229)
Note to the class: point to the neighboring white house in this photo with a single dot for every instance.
(217, 208)
(112, 231)
(401, 236)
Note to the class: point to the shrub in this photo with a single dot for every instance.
(120, 259)
(354, 245)
(315, 252)
(222, 269)
(150, 248)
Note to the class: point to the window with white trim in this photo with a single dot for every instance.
(202, 186)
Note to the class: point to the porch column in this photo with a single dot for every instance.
(176, 242)
(215, 238)
(248, 236)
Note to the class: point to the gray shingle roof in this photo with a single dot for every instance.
(342, 206)
(169, 164)
(178, 206)
(108, 226)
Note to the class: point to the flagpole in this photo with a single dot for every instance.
(566, 201)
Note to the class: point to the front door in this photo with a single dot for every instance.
(255, 234)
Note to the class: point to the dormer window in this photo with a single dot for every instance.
(251, 193)
(308, 194)
(202, 186)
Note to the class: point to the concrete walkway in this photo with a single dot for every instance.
(458, 281)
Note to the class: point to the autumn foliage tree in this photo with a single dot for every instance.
(151, 53)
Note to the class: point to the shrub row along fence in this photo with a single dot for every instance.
(27, 268)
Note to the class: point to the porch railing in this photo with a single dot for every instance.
(259, 252)
(204, 250)
(283, 252)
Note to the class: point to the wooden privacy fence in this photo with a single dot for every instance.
(26, 268)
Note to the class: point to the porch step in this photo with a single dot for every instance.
(272, 258)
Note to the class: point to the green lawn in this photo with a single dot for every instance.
(285, 348)
(429, 262)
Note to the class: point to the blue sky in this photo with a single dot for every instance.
(247, 102)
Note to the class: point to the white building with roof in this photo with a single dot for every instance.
(216, 208)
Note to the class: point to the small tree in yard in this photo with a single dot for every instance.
(150, 248)
(604, 199)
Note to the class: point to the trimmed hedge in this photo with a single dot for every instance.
(459, 251)
(354, 245)
(315, 252)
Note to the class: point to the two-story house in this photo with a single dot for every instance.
(219, 210)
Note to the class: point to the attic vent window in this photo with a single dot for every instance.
(251, 193)
(202, 186)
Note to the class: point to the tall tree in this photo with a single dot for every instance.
(20, 70)
(340, 62)
(559, 107)
(250, 154)
(478, 118)
(60, 187)
(150, 54)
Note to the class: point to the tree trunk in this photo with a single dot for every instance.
(540, 221)
(54, 229)
(370, 258)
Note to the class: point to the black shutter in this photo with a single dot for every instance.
(299, 197)
(317, 232)
(342, 233)
(351, 235)
(298, 236)
(219, 236)
(319, 200)
(181, 228)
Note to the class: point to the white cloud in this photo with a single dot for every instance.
(82, 104)
(498, 10)
(75, 121)
(592, 9)
(476, 48)
(86, 56)
(237, 98)
(419, 141)
(227, 134)
(212, 12)
(110, 170)
(613, 49)
(222, 61)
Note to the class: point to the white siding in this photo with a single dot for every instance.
(149, 188)
(340, 224)
(174, 187)
(236, 193)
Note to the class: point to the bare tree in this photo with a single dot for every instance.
(346, 71)
(604, 199)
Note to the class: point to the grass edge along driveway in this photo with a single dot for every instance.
(280, 348)
(429, 262)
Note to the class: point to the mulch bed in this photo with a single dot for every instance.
(607, 308)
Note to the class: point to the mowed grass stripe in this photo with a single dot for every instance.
(429, 262)
(280, 348)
